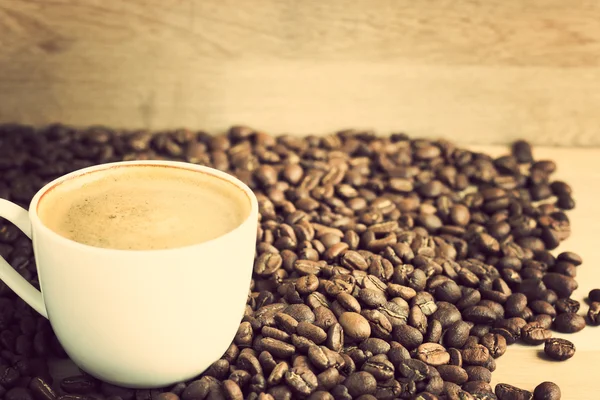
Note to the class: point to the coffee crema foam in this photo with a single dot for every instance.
(144, 207)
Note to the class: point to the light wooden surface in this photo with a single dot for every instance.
(522, 365)
(482, 71)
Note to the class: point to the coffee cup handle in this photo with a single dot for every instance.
(25, 290)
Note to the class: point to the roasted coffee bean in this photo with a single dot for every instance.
(569, 322)
(380, 325)
(321, 395)
(340, 392)
(495, 343)
(476, 355)
(508, 392)
(477, 388)
(521, 150)
(480, 314)
(433, 354)
(414, 370)
(80, 384)
(543, 320)
(593, 314)
(311, 331)
(447, 314)
(398, 353)
(478, 373)
(302, 380)
(515, 304)
(375, 346)
(561, 284)
(372, 298)
(41, 389)
(594, 295)
(457, 334)
(329, 378)
(547, 391)
(380, 367)
(360, 383)
(542, 307)
(534, 334)
(453, 373)
(396, 314)
(434, 332)
(355, 326)
(407, 336)
(567, 305)
(559, 349)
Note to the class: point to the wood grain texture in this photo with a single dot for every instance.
(475, 70)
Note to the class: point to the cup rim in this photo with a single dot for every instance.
(38, 225)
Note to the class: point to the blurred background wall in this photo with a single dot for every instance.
(475, 71)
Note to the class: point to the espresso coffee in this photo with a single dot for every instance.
(144, 208)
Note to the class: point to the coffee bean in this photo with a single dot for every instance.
(594, 295)
(543, 320)
(534, 334)
(478, 388)
(355, 326)
(561, 284)
(321, 395)
(457, 334)
(434, 332)
(593, 314)
(480, 315)
(311, 331)
(165, 396)
(495, 343)
(509, 392)
(41, 389)
(360, 383)
(396, 314)
(372, 297)
(447, 314)
(521, 150)
(567, 305)
(547, 391)
(80, 384)
(407, 336)
(559, 349)
(453, 373)
(476, 355)
(569, 322)
(380, 367)
(300, 312)
(302, 380)
(414, 370)
(74, 397)
(433, 354)
(478, 373)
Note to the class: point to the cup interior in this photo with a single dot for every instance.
(237, 192)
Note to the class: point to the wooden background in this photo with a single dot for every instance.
(476, 71)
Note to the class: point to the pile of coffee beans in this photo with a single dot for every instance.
(386, 267)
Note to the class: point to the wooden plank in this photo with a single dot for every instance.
(481, 71)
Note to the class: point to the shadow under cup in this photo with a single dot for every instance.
(144, 318)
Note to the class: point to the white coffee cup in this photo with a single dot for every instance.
(138, 318)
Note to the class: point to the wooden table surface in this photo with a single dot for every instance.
(524, 366)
